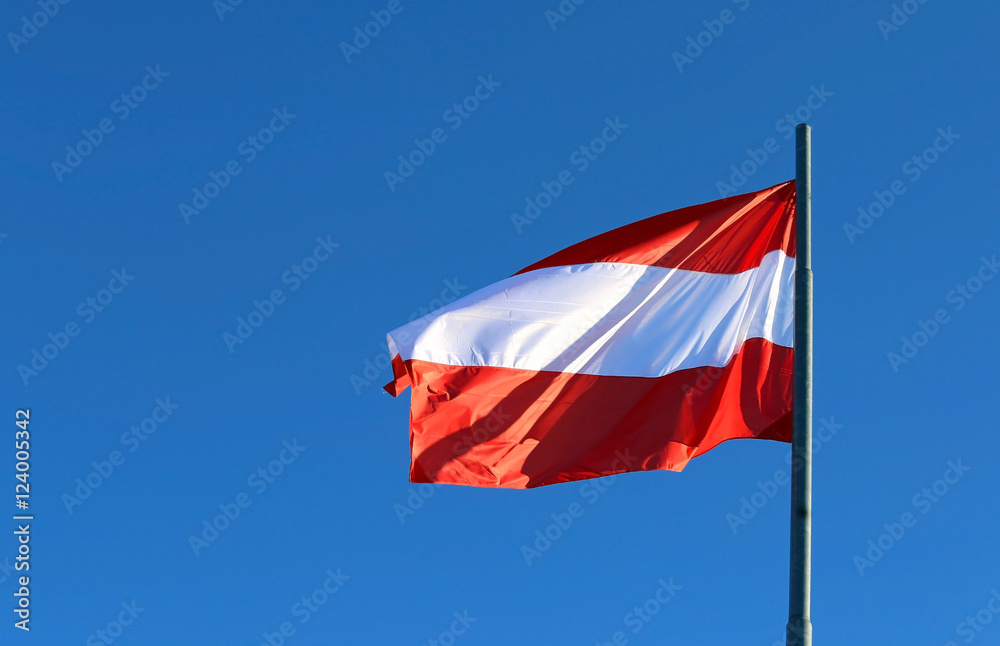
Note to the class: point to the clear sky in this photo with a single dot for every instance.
(168, 167)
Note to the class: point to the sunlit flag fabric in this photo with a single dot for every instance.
(635, 350)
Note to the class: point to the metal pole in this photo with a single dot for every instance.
(798, 632)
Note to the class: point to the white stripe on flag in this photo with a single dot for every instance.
(612, 319)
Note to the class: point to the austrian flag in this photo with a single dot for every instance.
(635, 350)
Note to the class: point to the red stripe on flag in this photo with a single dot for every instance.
(400, 378)
(726, 236)
(502, 427)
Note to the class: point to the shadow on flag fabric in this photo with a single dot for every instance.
(635, 350)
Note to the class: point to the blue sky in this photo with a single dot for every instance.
(214, 178)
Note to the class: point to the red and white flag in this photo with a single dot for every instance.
(635, 350)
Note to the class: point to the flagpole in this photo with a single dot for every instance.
(798, 632)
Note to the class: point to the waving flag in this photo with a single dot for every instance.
(635, 350)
